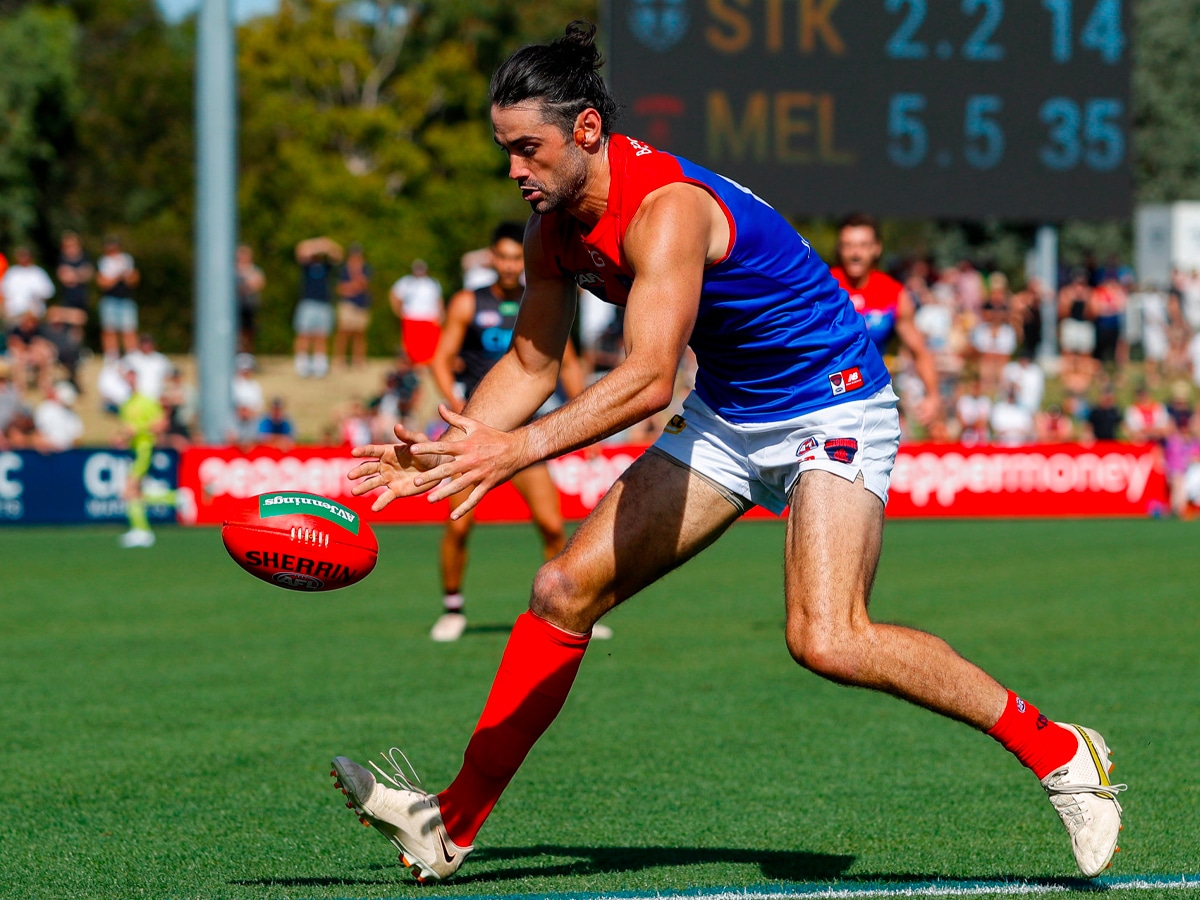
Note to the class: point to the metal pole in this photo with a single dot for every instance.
(1044, 265)
(216, 217)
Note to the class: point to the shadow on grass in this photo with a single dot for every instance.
(775, 865)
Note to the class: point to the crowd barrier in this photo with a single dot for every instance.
(79, 486)
(930, 480)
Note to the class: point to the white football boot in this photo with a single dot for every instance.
(137, 537)
(1086, 801)
(407, 816)
(601, 632)
(449, 627)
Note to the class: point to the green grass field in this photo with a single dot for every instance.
(168, 720)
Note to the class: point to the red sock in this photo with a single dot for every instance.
(532, 683)
(1040, 745)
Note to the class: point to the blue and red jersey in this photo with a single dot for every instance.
(775, 337)
(877, 301)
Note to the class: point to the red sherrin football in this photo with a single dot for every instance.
(302, 542)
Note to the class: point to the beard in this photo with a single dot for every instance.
(574, 177)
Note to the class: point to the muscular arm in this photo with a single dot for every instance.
(667, 245)
(677, 231)
(458, 319)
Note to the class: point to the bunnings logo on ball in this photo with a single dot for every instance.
(290, 504)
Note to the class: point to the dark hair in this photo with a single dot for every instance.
(563, 75)
(514, 231)
(860, 220)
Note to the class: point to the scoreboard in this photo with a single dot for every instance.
(1016, 109)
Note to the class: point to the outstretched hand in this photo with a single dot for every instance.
(477, 459)
(392, 467)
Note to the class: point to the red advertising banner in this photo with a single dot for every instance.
(220, 476)
(930, 480)
(1044, 480)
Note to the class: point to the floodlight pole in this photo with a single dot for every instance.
(1043, 264)
(216, 217)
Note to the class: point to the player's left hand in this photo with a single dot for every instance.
(480, 458)
(392, 467)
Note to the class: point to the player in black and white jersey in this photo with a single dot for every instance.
(477, 332)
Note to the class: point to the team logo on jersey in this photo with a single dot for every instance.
(841, 449)
(659, 24)
(676, 425)
(845, 380)
(488, 318)
(809, 443)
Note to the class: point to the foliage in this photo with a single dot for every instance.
(1166, 86)
(368, 122)
(39, 101)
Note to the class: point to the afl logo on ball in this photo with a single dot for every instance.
(297, 582)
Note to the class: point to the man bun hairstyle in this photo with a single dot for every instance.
(562, 75)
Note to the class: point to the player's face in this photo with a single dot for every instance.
(858, 248)
(548, 167)
(508, 259)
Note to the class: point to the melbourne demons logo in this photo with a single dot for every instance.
(842, 450)
(659, 24)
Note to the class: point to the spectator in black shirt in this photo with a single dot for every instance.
(1104, 420)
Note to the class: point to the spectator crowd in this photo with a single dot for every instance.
(1096, 357)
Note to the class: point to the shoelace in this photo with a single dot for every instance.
(1069, 807)
(409, 781)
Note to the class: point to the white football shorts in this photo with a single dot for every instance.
(760, 463)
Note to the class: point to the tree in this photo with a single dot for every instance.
(1166, 89)
(39, 100)
(369, 122)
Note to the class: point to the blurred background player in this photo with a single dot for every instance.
(887, 307)
(477, 332)
(142, 421)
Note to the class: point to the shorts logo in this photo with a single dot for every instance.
(809, 443)
(1042, 722)
(676, 425)
(1020, 705)
(841, 449)
(846, 380)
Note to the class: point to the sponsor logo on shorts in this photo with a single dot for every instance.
(1042, 722)
(809, 443)
(676, 425)
(841, 449)
(583, 279)
(846, 380)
